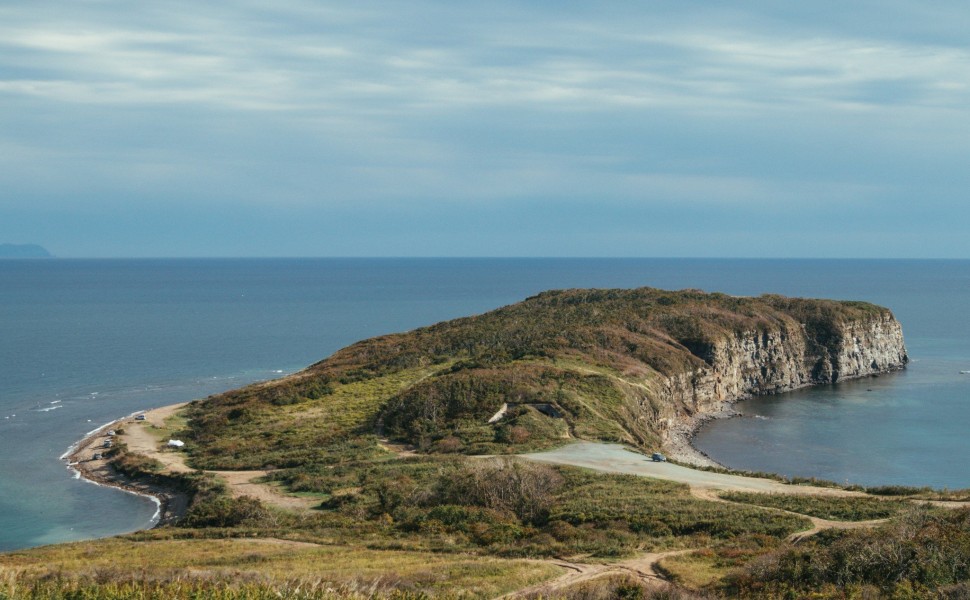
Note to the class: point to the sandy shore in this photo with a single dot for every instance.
(143, 438)
(87, 458)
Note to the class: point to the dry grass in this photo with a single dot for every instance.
(267, 563)
(694, 571)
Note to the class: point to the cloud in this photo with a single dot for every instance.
(564, 65)
(630, 110)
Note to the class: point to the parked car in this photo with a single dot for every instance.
(658, 457)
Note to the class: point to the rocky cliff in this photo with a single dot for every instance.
(794, 354)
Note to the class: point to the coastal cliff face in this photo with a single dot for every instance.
(791, 356)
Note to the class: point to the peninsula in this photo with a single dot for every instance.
(373, 455)
(642, 367)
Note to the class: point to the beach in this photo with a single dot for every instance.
(147, 437)
(679, 444)
(87, 458)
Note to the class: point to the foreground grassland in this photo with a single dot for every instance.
(254, 568)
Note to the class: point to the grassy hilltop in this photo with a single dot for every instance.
(359, 475)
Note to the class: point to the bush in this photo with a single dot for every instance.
(136, 465)
(523, 489)
(225, 512)
(915, 554)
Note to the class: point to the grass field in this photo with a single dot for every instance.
(254, 568)
(833, 508)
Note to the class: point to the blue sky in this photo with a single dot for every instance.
(529, 128)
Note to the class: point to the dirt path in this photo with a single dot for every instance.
(242, 483)
(818, 524)
(142, 437)
(643, 568)
(396, 448)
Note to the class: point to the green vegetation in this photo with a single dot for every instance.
(135, 465)
(515, 508)
(293, 422)
(252, 569)
(921, 554)
(659, 511)
(833, 508)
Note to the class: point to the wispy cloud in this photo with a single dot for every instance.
(318, 107)
(247, 65)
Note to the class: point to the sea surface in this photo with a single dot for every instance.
(83, 342)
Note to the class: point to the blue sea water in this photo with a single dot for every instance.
(83, 342)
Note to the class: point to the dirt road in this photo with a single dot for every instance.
(614, 458)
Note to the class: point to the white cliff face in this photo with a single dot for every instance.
(870, 347)
(786, 357)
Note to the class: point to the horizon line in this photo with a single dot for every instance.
(479, 257)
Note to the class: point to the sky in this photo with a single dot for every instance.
(503, 128)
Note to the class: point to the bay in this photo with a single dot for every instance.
(83, 342)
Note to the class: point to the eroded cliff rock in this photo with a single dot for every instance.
(791, 356)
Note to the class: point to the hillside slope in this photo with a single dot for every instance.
(621, 365)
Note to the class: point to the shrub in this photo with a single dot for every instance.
(225, 512)
(915, 554)
(524, 489)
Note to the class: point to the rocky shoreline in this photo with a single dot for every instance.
(680, 443)
(770, 361)
(87, 459)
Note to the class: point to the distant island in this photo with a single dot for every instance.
(23, 251)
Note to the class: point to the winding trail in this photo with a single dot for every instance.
(643, 568)
(818, 524)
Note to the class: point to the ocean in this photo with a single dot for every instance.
(83, 342)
